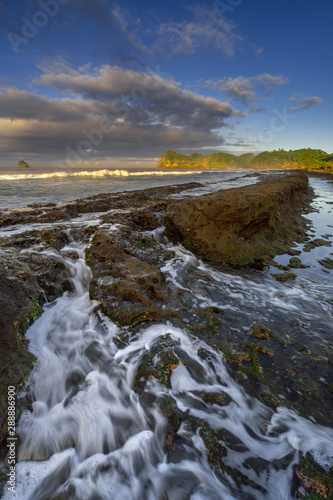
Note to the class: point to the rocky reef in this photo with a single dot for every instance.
(242, 226)
(237, 227)
(124, 259)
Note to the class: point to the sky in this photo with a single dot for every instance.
(102, 83)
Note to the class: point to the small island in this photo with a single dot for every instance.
(305, 159)
(23, 164)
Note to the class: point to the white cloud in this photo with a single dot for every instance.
(244, 89)
(304, 102)
(205, 31)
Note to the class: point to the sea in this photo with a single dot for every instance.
(89, 434)
(24, 186)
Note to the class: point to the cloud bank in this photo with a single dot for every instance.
(135, 112)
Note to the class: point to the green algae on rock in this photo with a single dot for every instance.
(296, 263)
(241, 226)
(284, 276)
(327, 262)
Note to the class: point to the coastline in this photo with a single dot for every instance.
(328, 171)
(133, 292)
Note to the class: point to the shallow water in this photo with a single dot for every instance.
(89, 435)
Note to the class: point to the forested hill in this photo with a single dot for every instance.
(310, 159)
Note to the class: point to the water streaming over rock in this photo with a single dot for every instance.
(88, 435)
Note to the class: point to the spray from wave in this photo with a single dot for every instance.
(95, 173)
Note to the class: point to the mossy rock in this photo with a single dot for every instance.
(260, 332)
(327, 262)
(316, 482)
(284, 276)
(296, 263)
(318, 242)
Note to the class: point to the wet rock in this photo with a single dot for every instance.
(296, 263)
(281, 267)
(26, 282)
(327, 262)
(46, 238)
(130, 290)
(42, 213)
(316, 481)
(241, 225)
(284, 276)
(318, 242)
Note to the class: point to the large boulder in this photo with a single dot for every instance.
(240, 226)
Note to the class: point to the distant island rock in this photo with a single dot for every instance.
(23, 164)
(306, 159)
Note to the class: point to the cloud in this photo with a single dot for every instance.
(149, 97)
(19, 104)
(304, 102)
(206, 31)
(237, 88)
(270, 83)
(244, 88)
(145, 114)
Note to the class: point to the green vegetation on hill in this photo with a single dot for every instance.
(309, 159)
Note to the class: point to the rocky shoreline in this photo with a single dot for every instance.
(237, 227)
(245, 225)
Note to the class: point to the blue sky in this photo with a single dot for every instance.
(86, 83)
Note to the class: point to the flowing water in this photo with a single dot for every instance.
(90, 436)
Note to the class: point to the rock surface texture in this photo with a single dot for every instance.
(240, 226)
(237, 227)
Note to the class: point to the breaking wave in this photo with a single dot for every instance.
(94, 173)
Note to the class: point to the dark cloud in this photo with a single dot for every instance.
(304, 102)
(149, 98)
(122, 140)
(20, 104)
(119, 112)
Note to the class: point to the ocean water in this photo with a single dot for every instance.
(89, 435)
(21, 187)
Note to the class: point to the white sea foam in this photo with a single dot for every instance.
(93, 173)
(88, 434)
